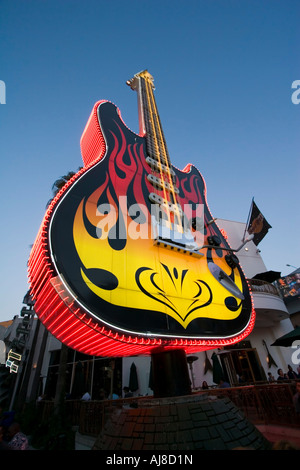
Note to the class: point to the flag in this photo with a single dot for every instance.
(257, 224)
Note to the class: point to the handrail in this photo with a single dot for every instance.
(261, 404)
(265, 404)
(257, 285)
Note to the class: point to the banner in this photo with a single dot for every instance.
(257, 224)
(289, 286)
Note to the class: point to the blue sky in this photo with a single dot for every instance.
(223, 72)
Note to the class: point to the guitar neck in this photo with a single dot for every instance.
(174, 232)
(149, 120)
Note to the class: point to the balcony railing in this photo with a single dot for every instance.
(264, 404)
(261, 404)
(263, 287)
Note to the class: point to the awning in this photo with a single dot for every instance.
(288, 339)
(268, 276)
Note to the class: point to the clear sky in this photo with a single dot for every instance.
(223, 72)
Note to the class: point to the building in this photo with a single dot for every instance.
(252, 359)
(36, 371)
(289, 287)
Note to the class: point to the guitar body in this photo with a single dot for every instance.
(101, 246)
(128, 259)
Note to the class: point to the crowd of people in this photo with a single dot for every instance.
(127, 393)
(289, 375)
(11, 435)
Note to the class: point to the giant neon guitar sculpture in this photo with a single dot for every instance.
(129, 258)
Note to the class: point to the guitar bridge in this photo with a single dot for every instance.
(167, 235)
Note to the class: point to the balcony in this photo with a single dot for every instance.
(261, 404)
(268, 304)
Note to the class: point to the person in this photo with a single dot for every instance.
(204, 385)
(296, 398)
(18, 440)
(281, 375)
(3, 443)
(223, 384)
(115, 395)
(270, 377)
(242, 380)
(7, 419)
(291, 374)
(127, 392)
(86, 396)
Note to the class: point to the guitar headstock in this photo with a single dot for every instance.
(133, 82)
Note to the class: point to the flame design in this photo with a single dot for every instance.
(119, 262)
(124, 296)
(188, 295)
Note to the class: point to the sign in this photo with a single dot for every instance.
(13, 360)
(128, 258)
(289, 286)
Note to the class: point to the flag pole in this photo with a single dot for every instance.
(250, 211)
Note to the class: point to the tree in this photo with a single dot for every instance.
(60, 182)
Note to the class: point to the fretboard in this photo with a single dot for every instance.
(150, 123)
(171, 231)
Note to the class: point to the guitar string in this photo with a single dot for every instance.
(163, 152)
(150, 121)
(168, 164)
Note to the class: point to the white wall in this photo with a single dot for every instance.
(143, 369)
(281, 355)
(249, 255)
